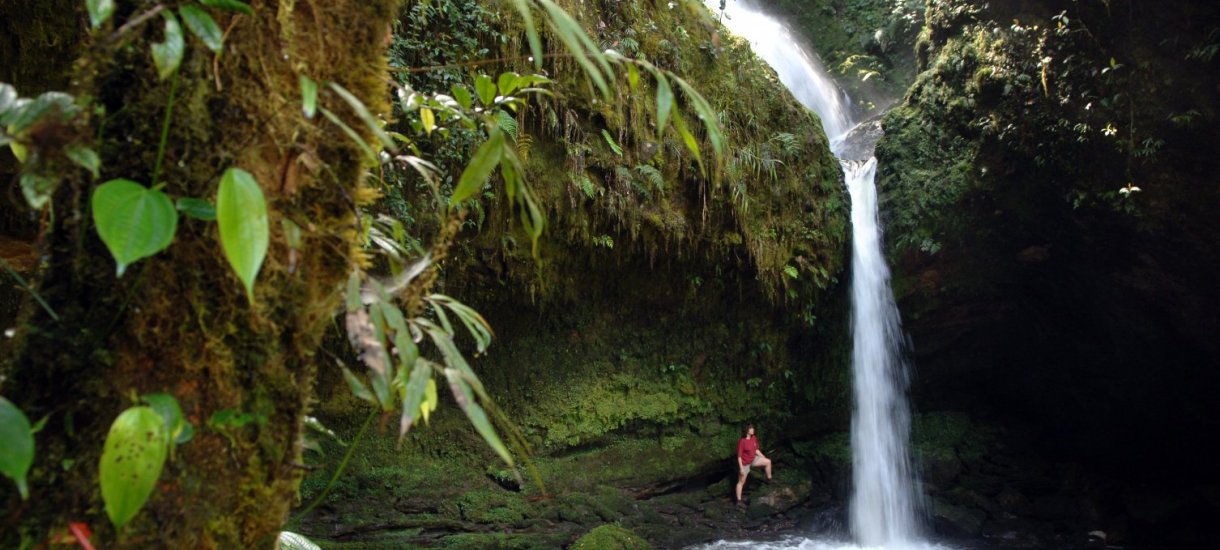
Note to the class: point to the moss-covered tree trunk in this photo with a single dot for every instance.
(179, 322)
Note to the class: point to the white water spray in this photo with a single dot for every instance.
(884, 502)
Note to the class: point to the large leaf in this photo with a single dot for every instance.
(309, 97)
(178, 430)
(99, 11)
(132, 459)
(244, 231)
(167, 55)
(202, 25)
(134, 221)
(229, 5)
(665, 101)
(480, 167)
(16, 445)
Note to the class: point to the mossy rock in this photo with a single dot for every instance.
(610, 537)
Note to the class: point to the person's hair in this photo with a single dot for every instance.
(746, 430)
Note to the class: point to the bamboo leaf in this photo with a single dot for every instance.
(665, 102)
(358, 388)
(480, 167)
(167, 55)
(706, 114)
(692, 144)
(132, 460)
(362, 111)
(583, 50)
(293, 541)
(413, 395)
(199, 209)
(229, 5)
(133, 221)
(476, 415)
(309, 97)
(370, 156)
(203, 26)
(16, 446)
(241, 211)
(531, 31)
(428, 119)
(99, 11)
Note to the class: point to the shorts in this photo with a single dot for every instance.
(745, 470)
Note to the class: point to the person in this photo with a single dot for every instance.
(748, 455)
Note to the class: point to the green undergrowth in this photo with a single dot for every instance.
(611, 537)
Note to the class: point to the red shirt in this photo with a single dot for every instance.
(746, 448)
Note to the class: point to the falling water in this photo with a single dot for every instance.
(883, 506)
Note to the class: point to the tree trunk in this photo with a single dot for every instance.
(179, 322)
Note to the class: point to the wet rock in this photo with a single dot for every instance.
(957, 520)
(1012, 532)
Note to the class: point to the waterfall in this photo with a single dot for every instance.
(884, 501)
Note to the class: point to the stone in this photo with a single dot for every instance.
(957, 520)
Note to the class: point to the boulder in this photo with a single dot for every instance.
(957, 520)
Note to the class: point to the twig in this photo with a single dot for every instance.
(135, 22)
(26, 286)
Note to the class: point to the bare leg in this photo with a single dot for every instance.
(765, 463)
(741, 482)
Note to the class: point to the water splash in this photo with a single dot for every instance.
(884, 504)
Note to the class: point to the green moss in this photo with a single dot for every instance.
(610, 537)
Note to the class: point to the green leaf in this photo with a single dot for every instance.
(413, 395)
(99, 11)
(132, 459)
(430, 400)
(610, 141)
(202, 25)
(577, 41)
(199, 209)
(428, 119)
(309, 96)
(478, 418)
(358, 388)
(244, 231)
(370, 156)
(665, 102)
(167, 55)
(16, 445)
(134, 221)
(25, 113)
(486, 89)
(531, 31)
(362, 111)
(293, 541)
(462, 95)
(178, 430)
(84, 157)
(37, 188)
(508, 83)
(480, 167)
(229, 5)
(692, 144)
(706, 114)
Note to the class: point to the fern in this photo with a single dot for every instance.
(788, 144)
(586, 186)
(610, 141)
(652, 176)
(508, 124)
(525, 143)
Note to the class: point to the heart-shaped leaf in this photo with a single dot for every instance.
(16, 445)
(244, 232)
(134, 221)
(202, 25)
(167, 55)
(132, 459)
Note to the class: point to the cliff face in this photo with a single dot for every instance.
(667, 306)
(1047, 191)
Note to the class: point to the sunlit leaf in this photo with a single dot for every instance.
(16, 445)
(199, 209)
(229, 5)
(132, 459)
(241, 211)
(133, 221)
(428, 119)
(203, 26)
(480, 167)
(293, 541)
(485, 88)
(99, 11)
(167, 55)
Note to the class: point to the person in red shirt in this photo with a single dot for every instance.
(748, 455)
